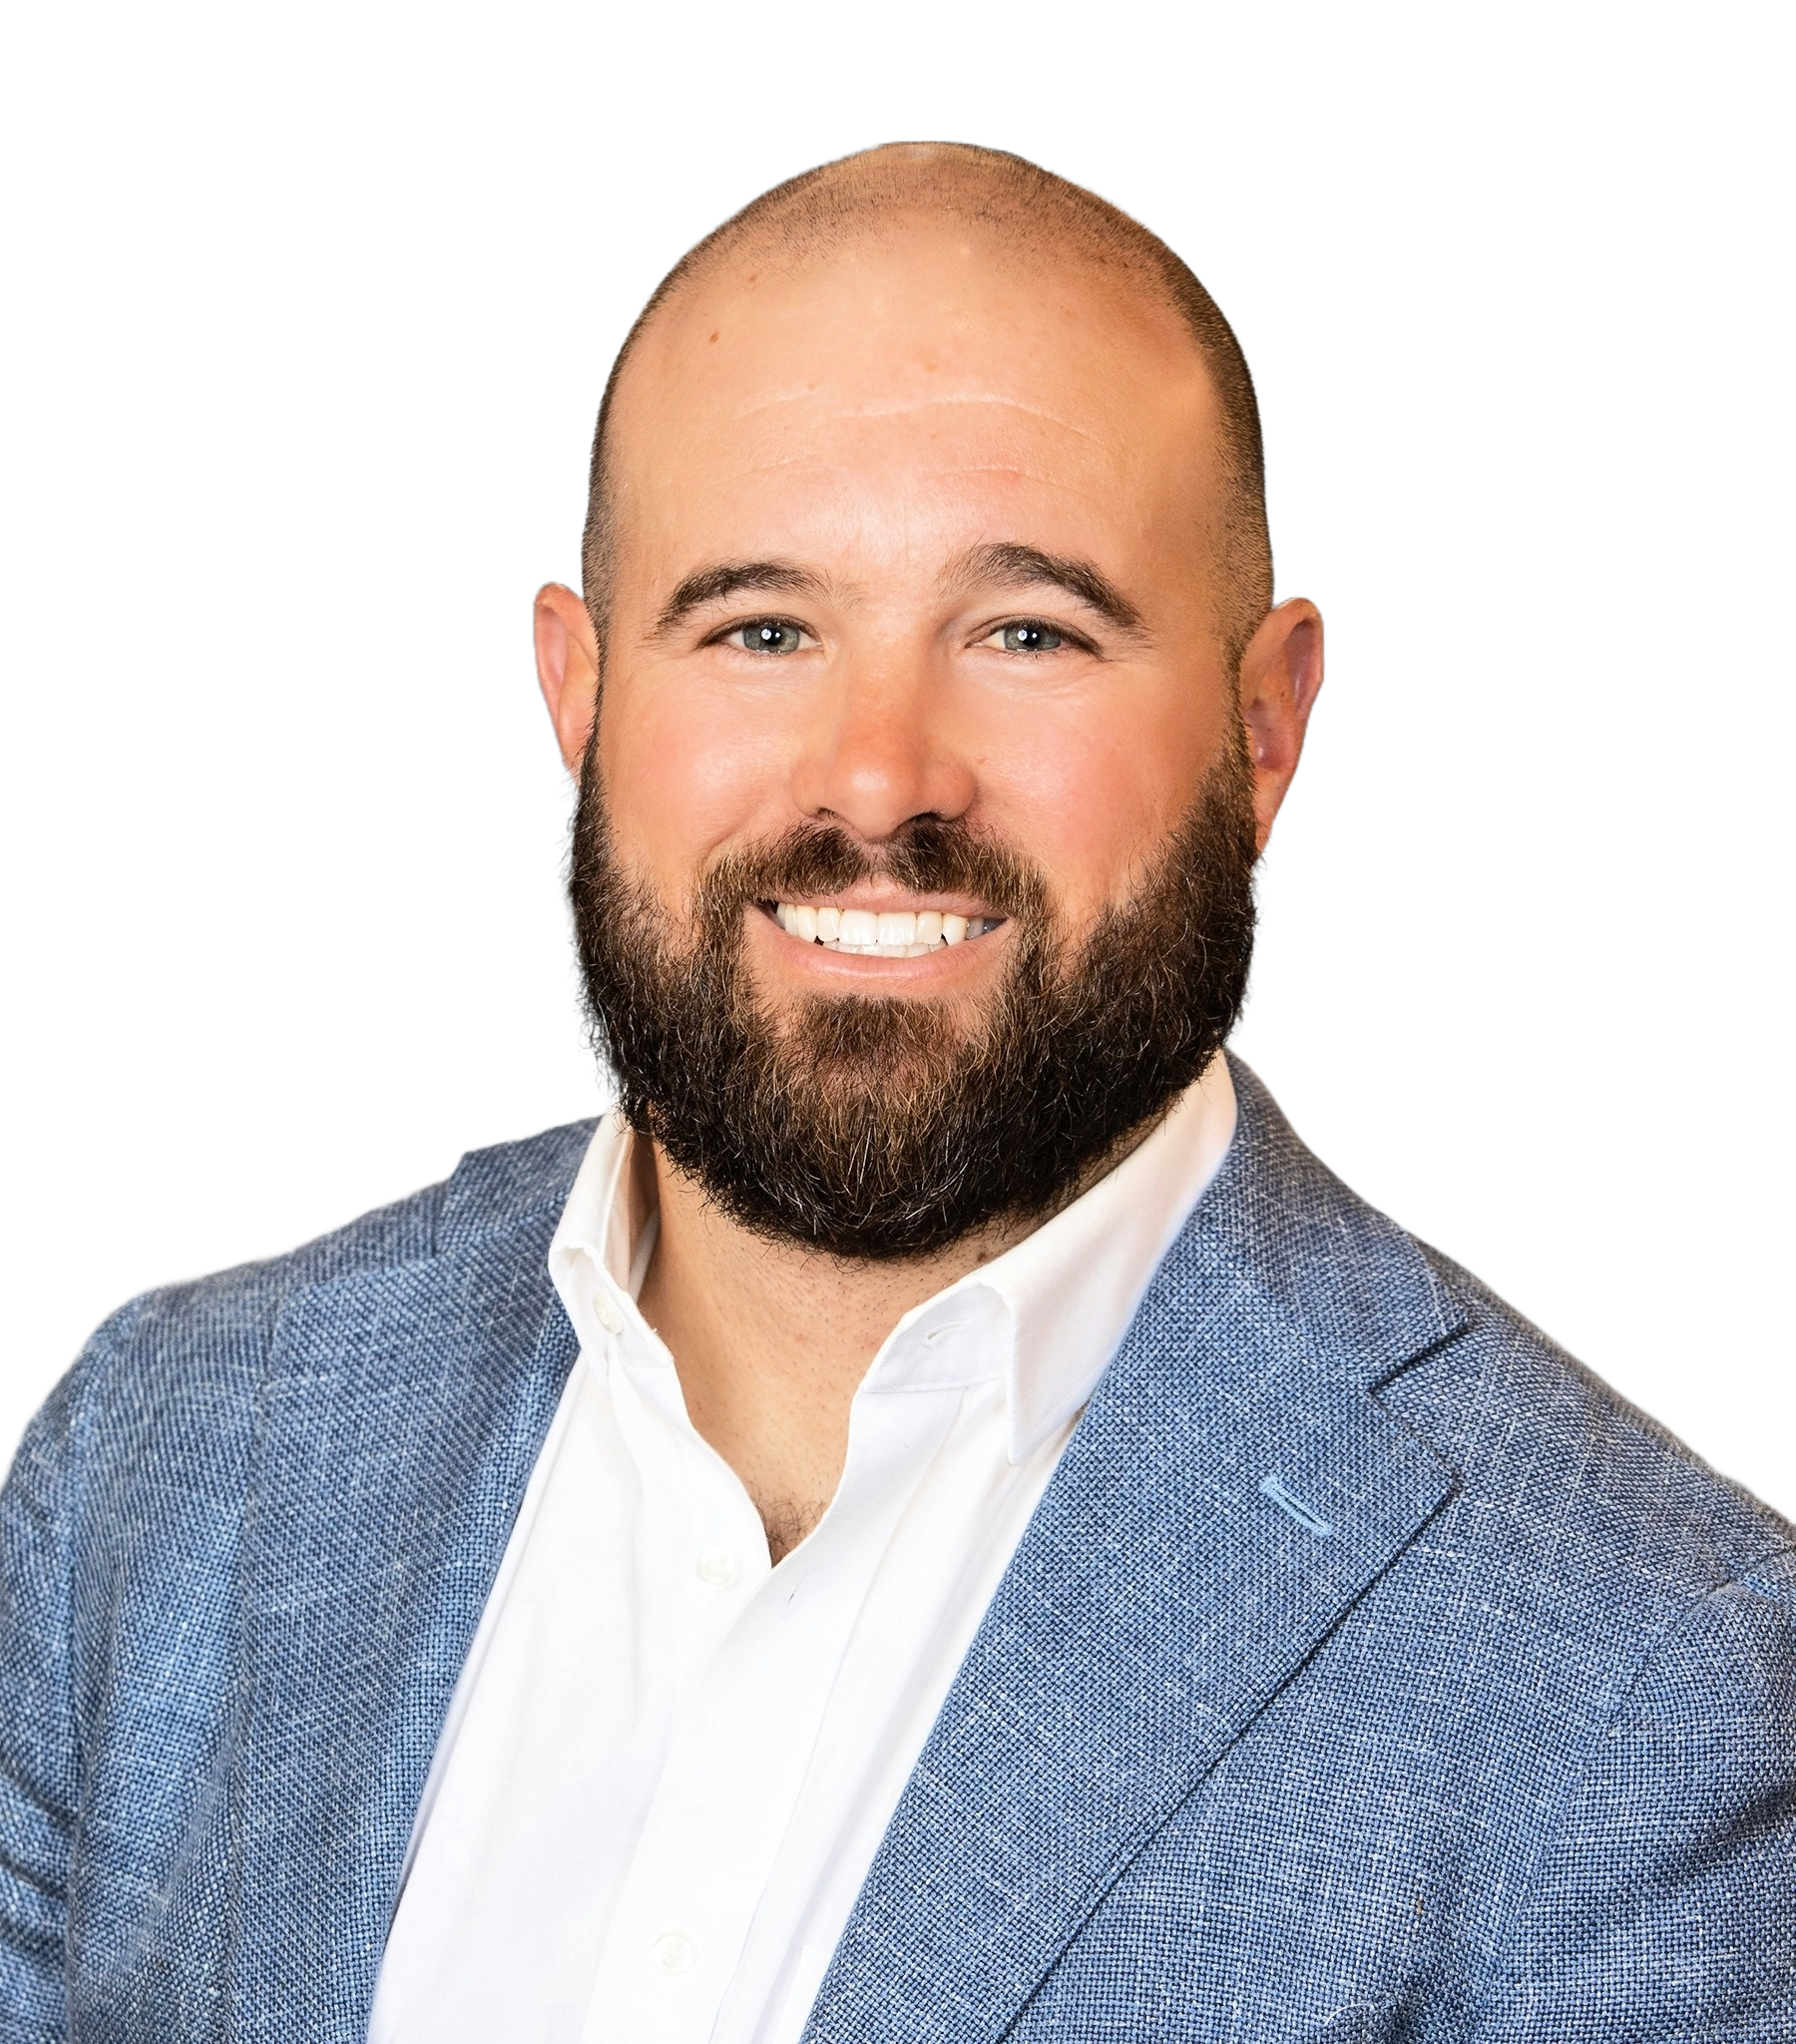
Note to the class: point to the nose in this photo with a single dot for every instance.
(880, 752)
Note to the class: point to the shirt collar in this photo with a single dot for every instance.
(1059, 1302)
(600, 1252)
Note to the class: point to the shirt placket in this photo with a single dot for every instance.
(743, 1733)
(700, 1553)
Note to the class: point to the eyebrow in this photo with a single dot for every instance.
(1009, 561)
(1000, 561)
(723, 578)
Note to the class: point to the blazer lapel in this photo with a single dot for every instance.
(1232, 1489)
(401, 1417)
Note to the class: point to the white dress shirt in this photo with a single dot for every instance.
(668, 1763)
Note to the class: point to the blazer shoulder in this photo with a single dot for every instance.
(1560, 1477)
(1571, 1482)
(189, 1356)
(489, 1189)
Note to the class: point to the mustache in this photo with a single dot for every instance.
(926, 855)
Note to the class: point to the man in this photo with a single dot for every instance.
(936, 1518)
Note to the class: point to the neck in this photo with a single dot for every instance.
(771, 1339)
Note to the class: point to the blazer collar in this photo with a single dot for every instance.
(400, 1417)
(1231, 1491)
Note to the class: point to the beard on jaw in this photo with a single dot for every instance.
(887, 1127)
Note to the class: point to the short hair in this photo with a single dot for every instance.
(1023, 206)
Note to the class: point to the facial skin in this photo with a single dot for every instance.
(929, 456)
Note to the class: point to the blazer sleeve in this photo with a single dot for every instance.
(39, 1760)
(1664, 1904)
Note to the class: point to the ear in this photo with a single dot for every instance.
(566, 662)
(1281, 675)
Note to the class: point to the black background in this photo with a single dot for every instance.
(315, 428)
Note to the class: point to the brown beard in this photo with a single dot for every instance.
(884, 1127)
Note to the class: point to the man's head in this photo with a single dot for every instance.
(927, 574)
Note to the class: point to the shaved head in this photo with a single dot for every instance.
(1023, 217)
(927, 699)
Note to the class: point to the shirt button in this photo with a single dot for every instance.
(673, 1953)
(718, 1568)
(605, 1311)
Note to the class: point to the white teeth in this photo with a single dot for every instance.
(884, 933)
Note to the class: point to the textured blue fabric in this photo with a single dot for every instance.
(1369, 1671)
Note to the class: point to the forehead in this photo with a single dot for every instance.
(911, 387)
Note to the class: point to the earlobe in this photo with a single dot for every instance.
(566, 664)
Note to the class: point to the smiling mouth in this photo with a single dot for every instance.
(882, 933)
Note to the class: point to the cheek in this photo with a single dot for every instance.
(1092, 792)
(684, 776)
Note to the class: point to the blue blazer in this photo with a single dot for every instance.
(1368, 1671)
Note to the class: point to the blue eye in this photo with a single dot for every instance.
(1029, 638)
(768, 634)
